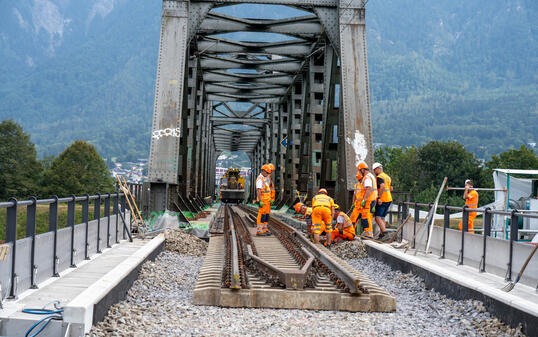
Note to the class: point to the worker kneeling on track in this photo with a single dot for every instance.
(307, 212)
(367, 199)
(322, 215)
(344, 227)
(263, 198)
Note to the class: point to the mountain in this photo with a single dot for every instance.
(445, 70)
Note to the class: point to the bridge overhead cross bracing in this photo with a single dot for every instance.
(287, 88)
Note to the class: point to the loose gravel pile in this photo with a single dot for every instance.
(182, 242)
(349, 249)
(159, 304)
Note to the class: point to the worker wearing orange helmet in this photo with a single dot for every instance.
(322, 215)
(307, 212)
(357, 197)
(470, 196)
(263, 198)
(344, 227)
(367, 199)
(273, 193)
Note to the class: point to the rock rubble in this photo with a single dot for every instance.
(349, 249)
(182, 242)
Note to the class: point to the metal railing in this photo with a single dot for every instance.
(514, 215)
(119, 211)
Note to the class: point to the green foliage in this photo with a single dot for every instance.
(522, 158)
(77, 170)
(19, 168)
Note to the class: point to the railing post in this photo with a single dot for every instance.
(53, 227)
(97, 216)
(513, 237)
(486, 231)
(71, 224)
(464, 229)
(11, 236)
(417, 218)
(124, 211)
(400, 210)
(85, 220)
(115, 209)
(107, 215)
(446, 224)
(30, 232)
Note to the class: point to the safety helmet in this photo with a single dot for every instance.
(271, 166)
(266, 168)
(324, 191)
(376, 165)
(298, 207)
(362, 165)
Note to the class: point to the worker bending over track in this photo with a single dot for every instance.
(307, 212)
(471, 201)
(322, 215)
(263, 198)
(367, 199)
(344, 227)
(357, 197)
(384, 189)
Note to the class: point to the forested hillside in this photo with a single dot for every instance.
(445, 70)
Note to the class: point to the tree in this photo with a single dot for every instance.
(524, 158)
(77, 170)
(19, 168)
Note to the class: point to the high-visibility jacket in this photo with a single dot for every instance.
(472, 199)
(373, 194)
(348, 224)
(266, 190)
(308, 215)
(272, 186)
(322, 200)
(386, 196)
(358, 193)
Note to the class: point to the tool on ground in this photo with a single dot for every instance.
(430, 216)
(139, 222)
(511, 285)
(399, 229)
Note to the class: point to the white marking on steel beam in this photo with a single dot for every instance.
(360, 146)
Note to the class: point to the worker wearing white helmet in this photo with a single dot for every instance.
(384, 199)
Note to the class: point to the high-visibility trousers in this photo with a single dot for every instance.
(366, 219)
(321, 220)
(356, 213)
(470, 224)
(344, 236)
(263, 217)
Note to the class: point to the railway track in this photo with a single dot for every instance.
(284, 270)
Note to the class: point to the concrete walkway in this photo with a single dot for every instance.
(100, 269)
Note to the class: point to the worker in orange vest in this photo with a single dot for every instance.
(344, 227)
(367, 199)
(357, 197)
(471, 201)
(273, 193)
(307, 212)
(384, 199)
(322, 215)
(263, 198)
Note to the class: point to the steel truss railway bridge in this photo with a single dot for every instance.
(215, 94)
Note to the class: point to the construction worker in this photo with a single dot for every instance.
(322, 215)
(344, 227)
(273, 193)
(307, 212)
(384, 199)
(263, 198)
(357, 197)
(470, 196)
(367, 199)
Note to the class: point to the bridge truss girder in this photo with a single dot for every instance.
(310, 88)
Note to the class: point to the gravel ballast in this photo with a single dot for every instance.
(159, 304)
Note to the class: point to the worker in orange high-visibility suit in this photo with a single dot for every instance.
(322, 215)
(384, 197)
(471, 201)
(344, 227)
(263, 198)
(307, 212)
(273, 193)
(369, 186)
(357, 197)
